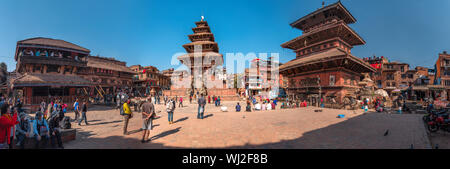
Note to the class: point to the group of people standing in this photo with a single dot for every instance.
(147, 108)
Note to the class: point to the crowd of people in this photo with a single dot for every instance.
(16, 126)
(147, 109)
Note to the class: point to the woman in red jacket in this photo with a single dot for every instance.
(6, 122)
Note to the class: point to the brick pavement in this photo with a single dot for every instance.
(290, 128)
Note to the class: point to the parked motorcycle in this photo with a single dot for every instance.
(439, 121)
(431, 115)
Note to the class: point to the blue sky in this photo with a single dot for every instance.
(149, 32)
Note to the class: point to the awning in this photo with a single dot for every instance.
(420, 88)
(50, 80)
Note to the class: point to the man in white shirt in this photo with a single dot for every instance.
(257, 106)
(268, 106)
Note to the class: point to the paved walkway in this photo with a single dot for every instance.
(290, 128)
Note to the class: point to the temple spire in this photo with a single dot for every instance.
(203, 18)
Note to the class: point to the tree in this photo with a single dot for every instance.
(3, 66)
(3, 72)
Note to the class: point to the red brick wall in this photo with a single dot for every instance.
(325, 78)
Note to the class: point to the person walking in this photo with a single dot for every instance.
(76, 108)
(181, 102)
(127, 116)
(201, 107)
(165, 99)
(218, 101)
(158, 99)
(83, 113)
(118, 100)
(170, 108)
(148, 113)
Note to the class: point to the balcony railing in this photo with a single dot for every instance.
(52, 61)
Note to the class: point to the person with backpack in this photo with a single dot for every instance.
(127, 116)
(22, 130)
(170, 108)
(76, 108)
(201, 107)
(40, 129)
(83, 113)
(55, 128)
(148, 113)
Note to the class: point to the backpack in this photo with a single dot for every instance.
(170, 106)
(122, 113)
(65, 123)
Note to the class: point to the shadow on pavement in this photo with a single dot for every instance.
(108, 122)
(134, 131)
(182, 119)
(166, 133)
(209, 115)
(84, 134)
(359, 132)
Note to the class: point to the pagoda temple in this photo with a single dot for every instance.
(324, 66)
(203, 61)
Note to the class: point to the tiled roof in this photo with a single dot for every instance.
(50, 79)
(53, 42)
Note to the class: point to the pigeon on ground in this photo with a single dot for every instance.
(386, 133)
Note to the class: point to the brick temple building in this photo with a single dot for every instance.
(324, 66)
(149, 80)
(48, 67)
(59, 69)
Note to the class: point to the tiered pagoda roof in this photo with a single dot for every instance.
(328, 13)
(332, 29)
(326, 42)
(202, 37)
